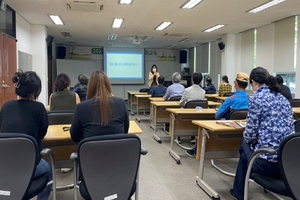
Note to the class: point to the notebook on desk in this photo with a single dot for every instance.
(234, 124)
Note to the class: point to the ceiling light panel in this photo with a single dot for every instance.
(214, 28)
(191, 4)
(125, 2)
(163, 25)
(56, 19)
(265, 6)
(117, 23)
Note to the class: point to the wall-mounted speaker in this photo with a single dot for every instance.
(61, 52)
(221, 45)
(183, 56)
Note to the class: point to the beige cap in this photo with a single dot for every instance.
(242, 76)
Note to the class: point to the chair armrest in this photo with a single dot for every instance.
(73, 156)
(48, 152)
(144, 151)
(250, 164)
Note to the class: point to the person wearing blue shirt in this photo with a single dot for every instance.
(176, 89)
(269, 121)
(209, 88)
(239, 100)
(160, 89)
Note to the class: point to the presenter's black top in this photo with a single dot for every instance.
(86, 120)
(285, 91)
(24, 116)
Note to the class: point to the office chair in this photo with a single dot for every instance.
(175, 98)
(19, 156)
(295, 102)
(297, 125)
(211, 92)
(194, 103)
(108, 166)
(144, 90)
(238, 114)
(60, 117)
(158, 95)
(228, 94)
(288, 162)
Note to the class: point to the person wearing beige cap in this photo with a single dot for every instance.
(239, 100)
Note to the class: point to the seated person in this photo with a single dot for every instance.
(63, 99)
(224, 87)
(284, 90)
(28, 116)
(209, 88)
(239, 100)
(269, 121)
(194, 92)
(160, 89)
(82, 87)
(176, 89)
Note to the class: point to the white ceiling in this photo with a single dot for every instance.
(143, 16)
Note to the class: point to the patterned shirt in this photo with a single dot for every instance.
(269, 121)
(224, 88)
(176, 89)
(239, 100)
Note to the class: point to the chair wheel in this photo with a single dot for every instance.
(178, 162)
(214, 198)
(159, 141)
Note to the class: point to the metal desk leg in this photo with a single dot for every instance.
(171, 152)
(137, 110)
(199, 179)
(154, 133)
(131, 105)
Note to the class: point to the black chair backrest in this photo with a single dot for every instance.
(289, 161)
(109, 164)
(60, 117)
(228, 94)
(18, 155)
(158, 95)
(175, 98)
(211, 92)
(193, 104)
(238, 114)
(144, 90)
(297, 125)
(295, 102)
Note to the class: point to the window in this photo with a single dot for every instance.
(8, 21)
(289, 79)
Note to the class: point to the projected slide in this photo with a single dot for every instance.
(124, 67)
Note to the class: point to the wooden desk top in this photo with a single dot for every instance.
(191, 111)
(156, 99)
(56, 132)
(142, 95)
(296, 110)
(136, 92)
(211, 95)
(213, 126)
(213, 103)
(221, 98)
(166, 103)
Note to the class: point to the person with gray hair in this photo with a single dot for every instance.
(176, 89)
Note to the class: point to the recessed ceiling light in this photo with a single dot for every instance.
(265, 6)
(214, 28)
(117, 23)
(126, 2)
(163, 25)
(56, 19)
(191, 4)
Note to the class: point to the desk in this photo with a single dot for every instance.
(216, 141)
(211, 97)
(296, 111)
(181, 124)
(156, 99)
(221, 98)
(142, 103)
(132, 99)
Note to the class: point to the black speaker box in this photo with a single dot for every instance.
(221, 45)
(61, 52)
(183, 56)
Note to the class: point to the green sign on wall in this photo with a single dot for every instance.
(97, 51)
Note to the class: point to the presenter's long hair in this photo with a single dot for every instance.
(99, 87)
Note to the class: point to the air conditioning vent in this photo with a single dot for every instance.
(66, 34)
(175, 34)
(85, 6)
(112, 37)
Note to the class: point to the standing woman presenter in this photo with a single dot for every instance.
(153, 76)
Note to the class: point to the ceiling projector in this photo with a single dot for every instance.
(136, 41)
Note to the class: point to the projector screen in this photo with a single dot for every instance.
(124, 66)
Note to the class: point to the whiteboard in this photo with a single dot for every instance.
(73, 68)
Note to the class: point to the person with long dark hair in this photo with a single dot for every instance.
(269, 121)
(224, 87)
(29, 117)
